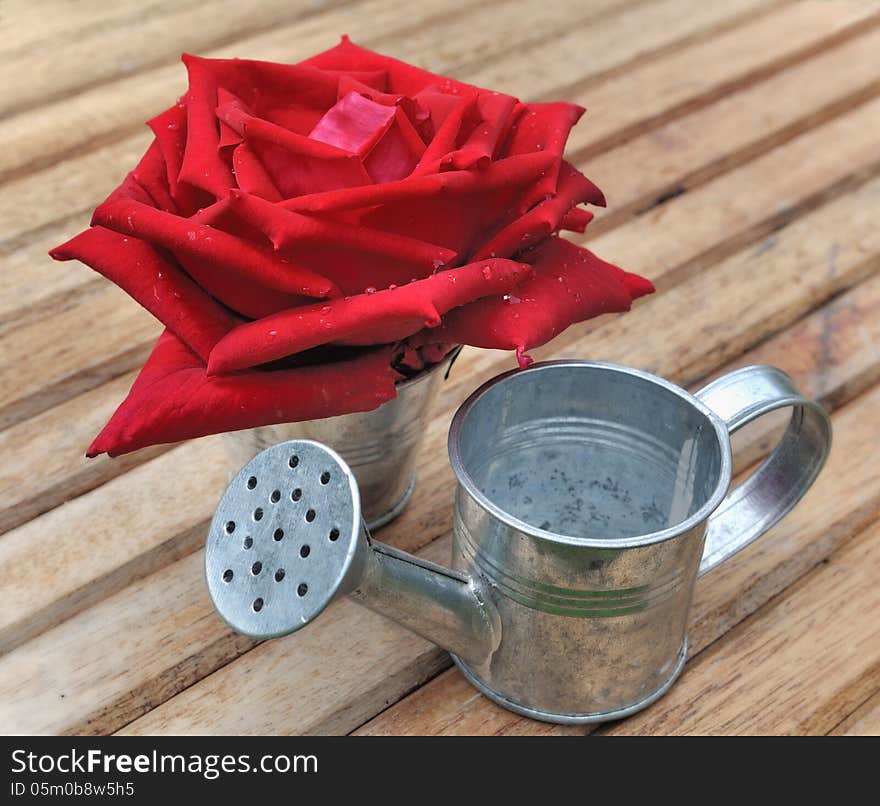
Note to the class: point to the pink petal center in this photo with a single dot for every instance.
(354, 124)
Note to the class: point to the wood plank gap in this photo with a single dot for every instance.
(118, 133)
(848, 330)
(46, 397)
(718, 608)
(863, 721)
(768, 226)
(71, 385)
(115, 134)
(652, 55)
(298, 16)
(734, 159)
(753, 76)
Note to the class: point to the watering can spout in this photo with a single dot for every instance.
(446, 607)
(287, 538)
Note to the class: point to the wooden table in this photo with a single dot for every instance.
(739, 146)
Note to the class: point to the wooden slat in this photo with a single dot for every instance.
(786, 262)
(99, 542)
(759, 196)
(826, 520)
(689, 150)
(44, 461)
(733, 210)
(640, 32)
(36, 200)
(24, 24)
(104, 49)
(41, 283)
(864, 721)
(128, 100)
(627, 105)
(32, 284)
(796, 241)
(60, 445)
(195, 709)
(65, 355)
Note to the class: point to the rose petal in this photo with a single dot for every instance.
(526, 230)
(576, 220)
(493, 116)
(251, 174)
(189, 239)
(543, 127)
(403, 78)
(514, 173)
(570, 285)
(155, 282)
(202, 165)
(298, 165)
(170, 130)
(354, 124)
(448, 122)
(287, 229)
(149, 174)
(292, 96)
(173, 398)
(397, 152)
(374, 318)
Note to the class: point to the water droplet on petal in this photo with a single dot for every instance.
(326, 309)
(370, 289)
(392, 287)
(560, 279)
(272, 334)
(438, 263)
(487, 272)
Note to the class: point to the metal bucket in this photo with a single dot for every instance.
(380, 446)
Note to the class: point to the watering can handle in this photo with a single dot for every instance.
(751, 508)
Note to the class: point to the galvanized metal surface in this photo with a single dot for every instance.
(283, 539)
(586, 493)
(379, 446)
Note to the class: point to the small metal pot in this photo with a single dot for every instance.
(379, 446)
(590, 498)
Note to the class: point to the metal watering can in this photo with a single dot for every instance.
(590, 498)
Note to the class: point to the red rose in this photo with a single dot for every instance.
(310, 233)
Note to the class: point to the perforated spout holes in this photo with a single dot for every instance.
(275, 559)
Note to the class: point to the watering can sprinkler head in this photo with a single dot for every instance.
(287, 538)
